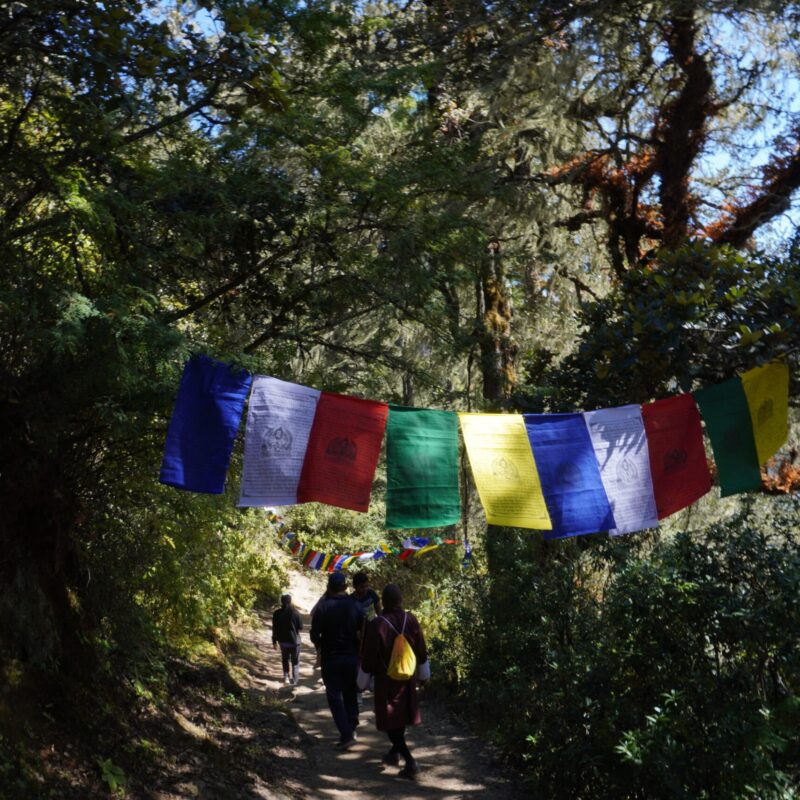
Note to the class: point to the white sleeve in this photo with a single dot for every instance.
(363, 679)
(424, 671)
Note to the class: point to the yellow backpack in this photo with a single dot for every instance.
(403, 661)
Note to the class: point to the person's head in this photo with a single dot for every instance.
(286, 600)
(392, 597)
(361, 583)
(336, 583)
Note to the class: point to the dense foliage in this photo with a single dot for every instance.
(644, 667)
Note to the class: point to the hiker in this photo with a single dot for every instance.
(335, 630)
(286, 627)
(371, 604)
(366, 595)
(396, 703)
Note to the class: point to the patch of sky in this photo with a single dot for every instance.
(734, 158)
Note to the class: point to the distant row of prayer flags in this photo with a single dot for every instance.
(336, 562)
(616, 469)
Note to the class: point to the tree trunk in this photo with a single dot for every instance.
(498, 349)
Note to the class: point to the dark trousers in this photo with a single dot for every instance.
(289, 654)
(398, 739)
(339, 676)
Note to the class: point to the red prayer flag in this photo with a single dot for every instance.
(678, 464)
(343, 451)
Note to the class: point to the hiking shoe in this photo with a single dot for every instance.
(391, 759)
(409, 771)
(345, 743)
(286, 678)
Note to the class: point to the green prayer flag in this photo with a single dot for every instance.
(727, 417)
(422, 468)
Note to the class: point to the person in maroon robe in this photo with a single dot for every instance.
(396, 703)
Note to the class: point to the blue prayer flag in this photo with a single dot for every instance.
(570, 478)
(203, 425)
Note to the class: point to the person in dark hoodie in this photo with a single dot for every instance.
(286, 627)
(335, 629)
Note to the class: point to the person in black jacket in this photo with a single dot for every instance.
(286, 627)
(335, 629)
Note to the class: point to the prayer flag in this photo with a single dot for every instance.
(415, 542)
(727, 417)
(279, 419)
(203, 425)
(343, 451)
(678, 464)
(422, 468)
(767, 391)
(620, 445)
(325, 562)
(571, 482)
(504, 470)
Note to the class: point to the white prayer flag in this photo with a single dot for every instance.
(620, 445)
(279, 419)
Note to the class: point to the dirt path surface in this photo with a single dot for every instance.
(453, 764)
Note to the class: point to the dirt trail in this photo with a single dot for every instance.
(453, 764)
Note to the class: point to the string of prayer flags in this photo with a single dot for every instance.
(504, 470)
(279, 419)
(678, 464)
(203, 426)
(767, 391)
(620, 445)
(342, 452)
(422, 468)
(619, 469)
(336, 562)
(727, 416)
(571, 482)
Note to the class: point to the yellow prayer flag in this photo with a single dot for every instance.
(505, 471)
(348, 561)
(326, 562)
(426, 549)
(767, 392)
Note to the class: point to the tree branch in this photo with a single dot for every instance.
(199, 104)
(681, 131)
(739, 224)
